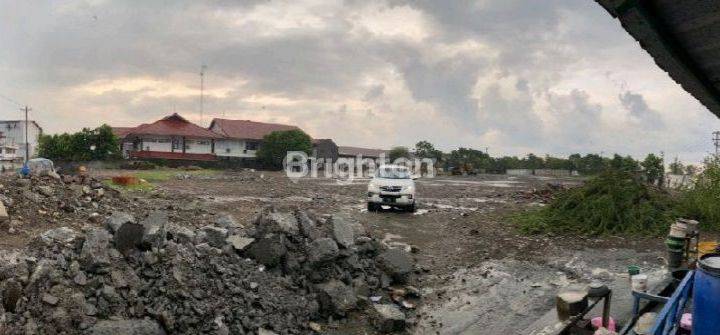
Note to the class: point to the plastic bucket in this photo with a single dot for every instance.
(706, 296)
(639, 282)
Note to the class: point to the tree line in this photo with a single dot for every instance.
(467, 159)
(86, 145)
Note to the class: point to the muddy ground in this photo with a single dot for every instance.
(478, 275)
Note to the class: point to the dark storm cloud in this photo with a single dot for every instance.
(640, 112)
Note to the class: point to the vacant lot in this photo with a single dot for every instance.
(479, 275)
(476, 273)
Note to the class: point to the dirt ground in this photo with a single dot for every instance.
(477, 273)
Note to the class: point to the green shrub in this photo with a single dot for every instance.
(614, 202)
(701, 201)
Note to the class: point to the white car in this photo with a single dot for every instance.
(392, 185)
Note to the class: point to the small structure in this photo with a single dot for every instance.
(172, 137)
(13, 132)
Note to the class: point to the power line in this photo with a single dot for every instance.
(10, 100)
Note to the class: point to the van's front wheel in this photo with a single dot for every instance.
(410, 208)
(372, 207)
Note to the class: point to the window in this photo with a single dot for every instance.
(175, 144)
(251, 145)
(203, 142)
(163, 140)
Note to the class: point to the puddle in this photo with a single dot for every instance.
(227, 199)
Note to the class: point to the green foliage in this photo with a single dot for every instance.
(653, 169)
(398, 152)
(88, 144)
(676, 167)
(702, 200)
(614, 202)
(275, 146)
(425, 149)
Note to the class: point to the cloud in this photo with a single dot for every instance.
(517, 76)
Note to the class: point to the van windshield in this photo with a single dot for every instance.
(392, 173)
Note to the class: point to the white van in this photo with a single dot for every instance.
(392, 185)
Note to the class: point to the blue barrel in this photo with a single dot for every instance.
(706, 296)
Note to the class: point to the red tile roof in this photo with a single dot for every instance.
(121, 131)
(246, 129)
(173, 125)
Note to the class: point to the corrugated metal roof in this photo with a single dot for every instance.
(682, 36)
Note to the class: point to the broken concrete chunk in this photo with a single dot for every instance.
(337, 298)
(268, 250)
(50, 299)
(396, 263)
(117, 219)
(154, 230)
(228, 222)
(129, 327)
(62, 235)
(238, 242)
(94, 255)
(343, 232)
(269, 222)
(215, 236)
(307, 225)
(128, 236)
(180, 234)
(322, 250)
(388, 318)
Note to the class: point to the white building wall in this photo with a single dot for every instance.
(233, 148)
(198, 146)
(14, 132)
(155, 143)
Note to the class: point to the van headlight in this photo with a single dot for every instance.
(409, 188)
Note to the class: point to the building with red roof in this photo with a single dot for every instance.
(242, 138)
(172, 137)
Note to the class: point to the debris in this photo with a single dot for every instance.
(388, 318)
(397, 263)
(322, 250)
(238, 242)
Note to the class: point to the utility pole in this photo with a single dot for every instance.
(716, 142)
(27, 143)
(202, 90)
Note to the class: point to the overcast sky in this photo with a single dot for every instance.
(549, 77)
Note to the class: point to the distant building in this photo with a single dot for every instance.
(352, 152)
(13, 137)
(172, 137)
(242, 138)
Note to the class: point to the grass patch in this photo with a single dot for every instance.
(142, 187)
(614, 202)
(161, 175)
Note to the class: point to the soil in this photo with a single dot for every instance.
(478, 274)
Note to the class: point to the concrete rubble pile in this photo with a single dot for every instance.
(149, 275)
(54, 200)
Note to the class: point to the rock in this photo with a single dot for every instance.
(49, 299)
(154, 230)
(396, 263)
(180, 234)
(228, 222)
(387, 318)
(80, 278)
(117, 219)
(62, 235)
(215, 236)
(94, 255)
(263, 331)
(32, 196)
(45, 190)
(343, 232)
(322, 250)
(307, 225)
(126, 327)
(269, 222)
(11, 293)
(238, 242)
(128, 236)
(336, 298)
(268, 250)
